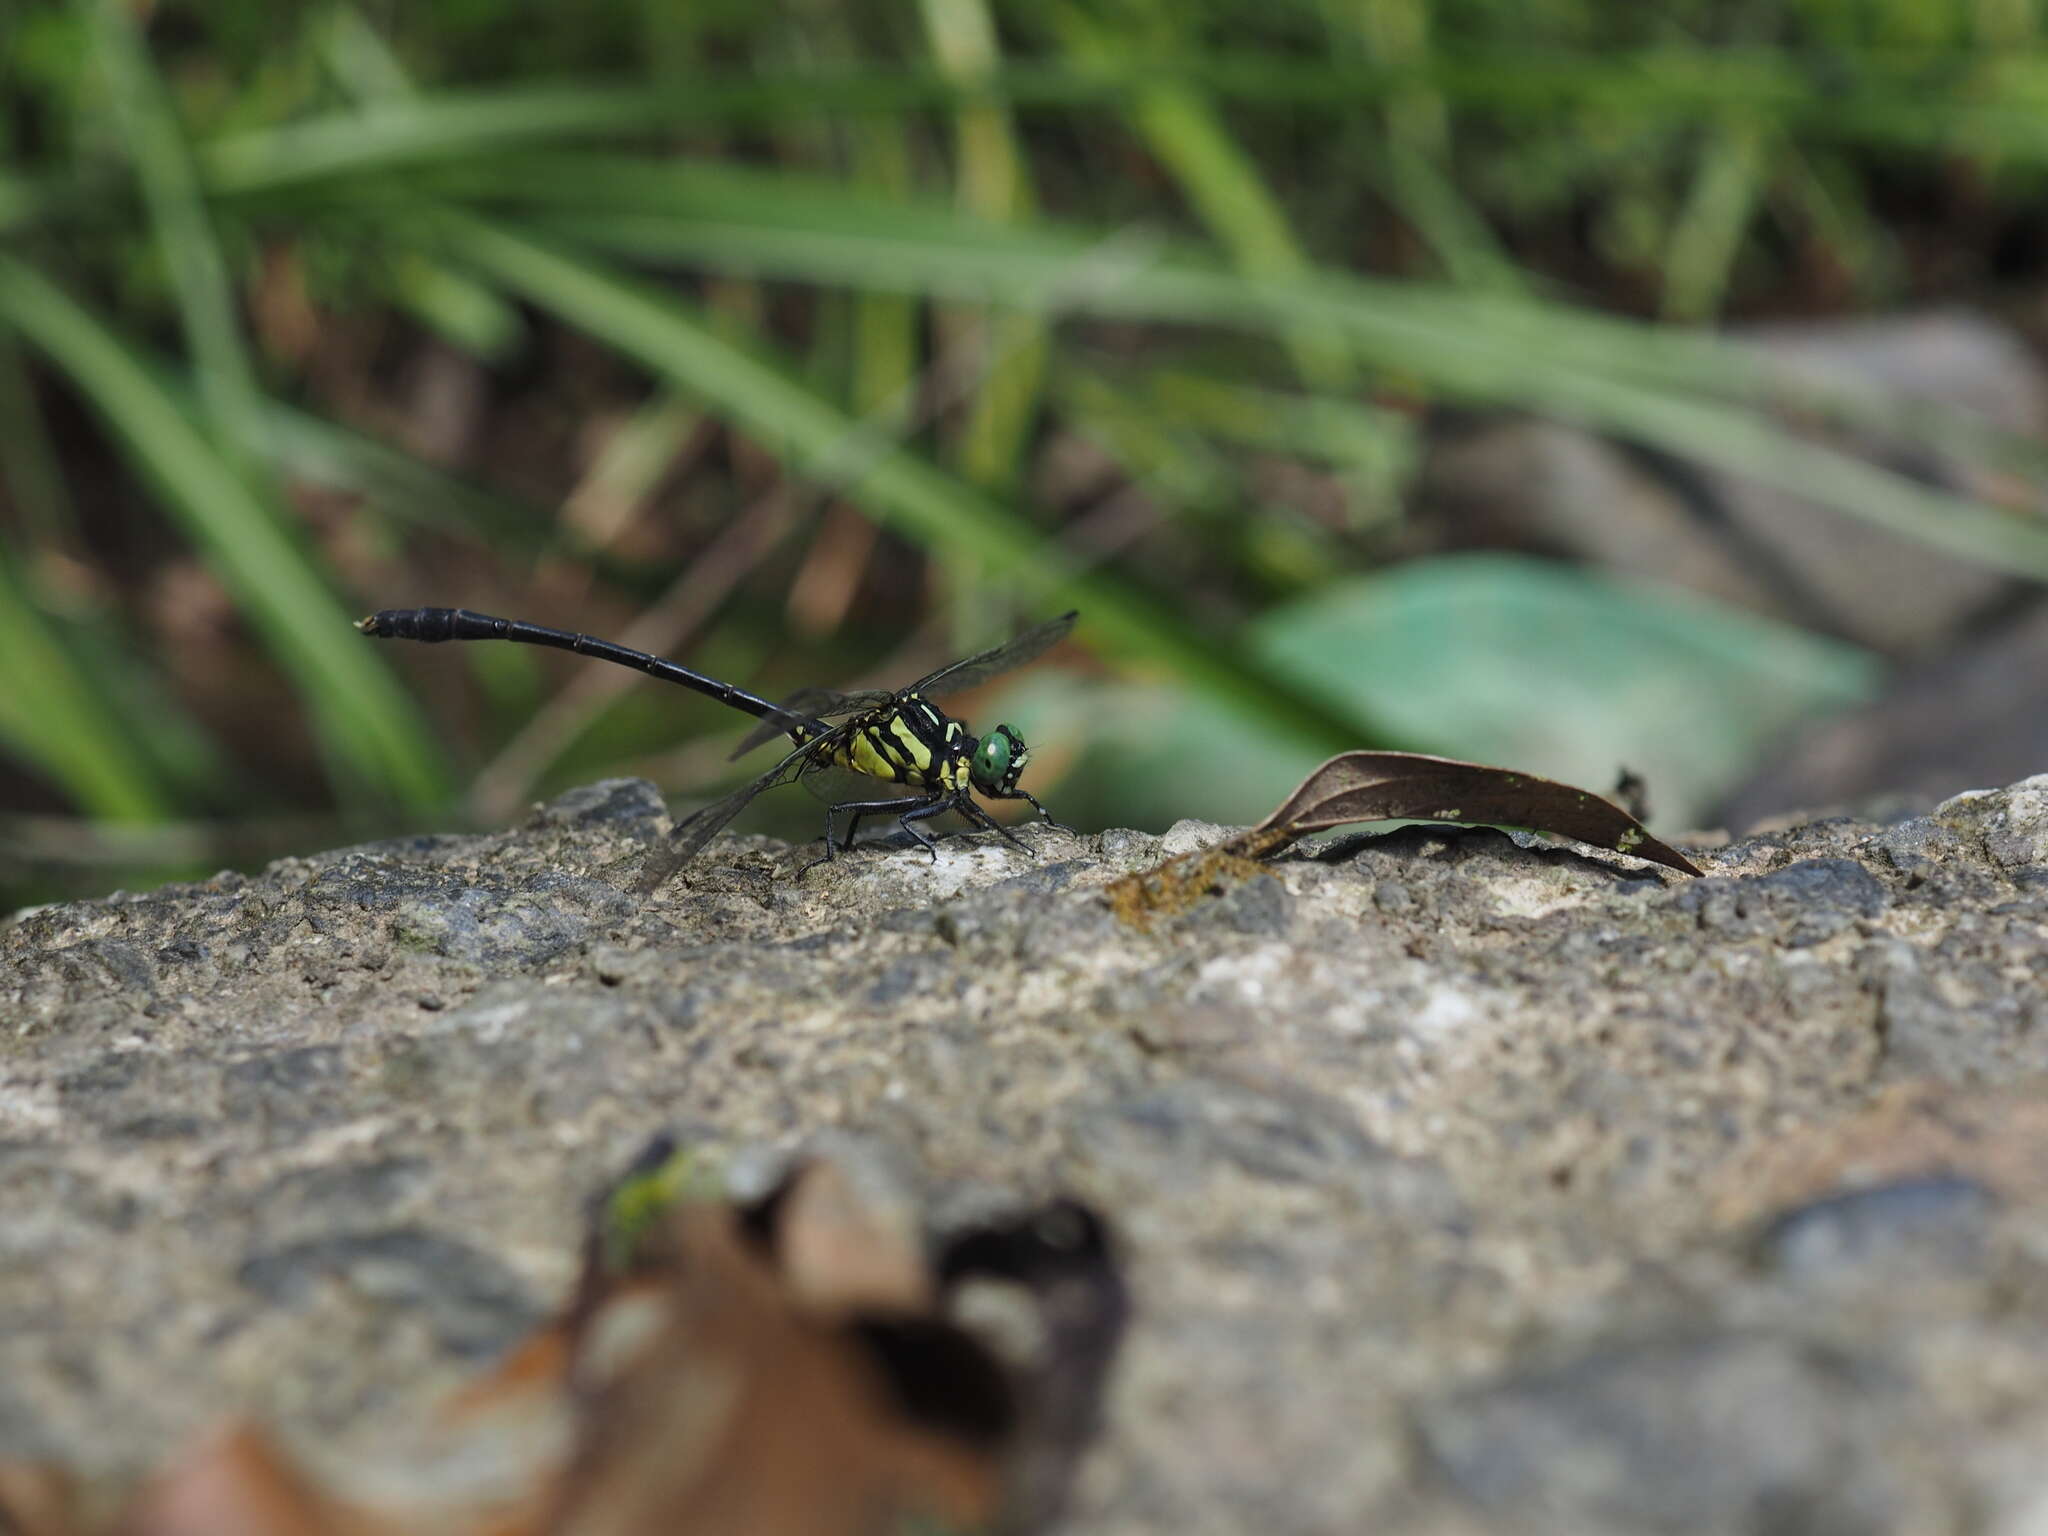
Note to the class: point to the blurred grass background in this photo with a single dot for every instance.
(816, 342)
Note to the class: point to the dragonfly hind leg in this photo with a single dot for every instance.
(919, 809)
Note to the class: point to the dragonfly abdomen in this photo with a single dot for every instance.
(435, 625)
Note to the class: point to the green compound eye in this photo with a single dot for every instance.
(998, 761)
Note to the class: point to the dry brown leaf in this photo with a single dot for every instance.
(843, 1253)
(36, 1500)
(780, 1368)
(1387, 786)
(790, 1367)
(746, 1413)
(1410, 786)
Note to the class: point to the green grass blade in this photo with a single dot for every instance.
(52, 717)
(1220, 182)
(885, 340)
(1429, 198)
(30, 468)
(1378, 442)
(174, 754)
(155, 143)
(1415, 125)
(465, 314)
(630, 467)
(22, 202)
(1499, 353)
(369, 728)
(403, 132)
(359, 58)
(1158, 450)
(1707, 236)
(803, 227)
(994, 183)
(829, 445)
(1928, 102)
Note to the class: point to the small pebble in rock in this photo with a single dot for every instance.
(1938, 1218)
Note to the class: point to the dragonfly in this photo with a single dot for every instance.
(898, 737)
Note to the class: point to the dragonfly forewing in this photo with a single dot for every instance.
(972, 671)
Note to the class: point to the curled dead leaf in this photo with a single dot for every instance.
(1411, 786)
(36, 1500)
(1389, 786)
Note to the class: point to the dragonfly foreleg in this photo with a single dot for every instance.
(1043, 814)
(976, 814)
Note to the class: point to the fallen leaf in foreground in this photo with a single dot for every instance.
(788, 1366)
(35, 1500)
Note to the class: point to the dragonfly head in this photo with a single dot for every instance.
(998, 763)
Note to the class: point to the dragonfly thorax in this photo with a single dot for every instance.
(909, 741)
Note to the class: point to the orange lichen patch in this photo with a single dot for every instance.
(1168, 889)
(1913, 1130)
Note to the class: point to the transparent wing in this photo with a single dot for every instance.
(690, 834)
(814, 706)
(972, 671)
(835, 784)
(828, 704)
(788, 717)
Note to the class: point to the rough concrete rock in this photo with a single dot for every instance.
(1468, 1183)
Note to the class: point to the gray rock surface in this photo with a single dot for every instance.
(1467, 1183)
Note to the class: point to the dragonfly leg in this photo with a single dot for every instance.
(1043, 814)
(860, 808)
(976, 814)
(924, 810)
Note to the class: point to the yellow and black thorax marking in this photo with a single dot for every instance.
(907, 741)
